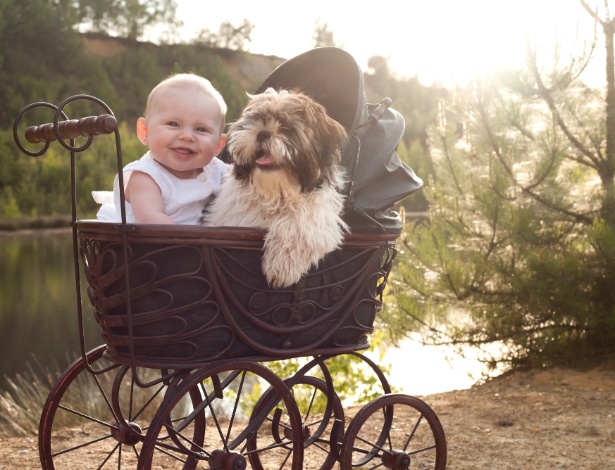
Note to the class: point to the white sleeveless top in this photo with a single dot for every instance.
(183, 199)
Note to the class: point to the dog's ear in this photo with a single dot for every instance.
(332, 136)
(329, 129)
(336, 131)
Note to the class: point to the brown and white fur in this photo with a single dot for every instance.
(286, 178)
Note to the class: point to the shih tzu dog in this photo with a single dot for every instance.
(286, 178)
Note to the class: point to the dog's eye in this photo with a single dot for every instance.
(293, 125)
(285, 122)
(257, 116)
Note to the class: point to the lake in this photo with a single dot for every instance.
(38, 310)
(38, 320)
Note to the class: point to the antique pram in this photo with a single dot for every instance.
(192, 332)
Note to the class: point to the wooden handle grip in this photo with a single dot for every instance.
(85, 127)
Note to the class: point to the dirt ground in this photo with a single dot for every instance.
(554, 419)
(543, 420)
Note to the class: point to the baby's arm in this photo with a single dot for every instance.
(145, 199)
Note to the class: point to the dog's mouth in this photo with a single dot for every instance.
(264, 160)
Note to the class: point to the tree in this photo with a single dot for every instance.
(39, 53)
(236, 38)
(129, 19)
(519, 250)
(323, 36)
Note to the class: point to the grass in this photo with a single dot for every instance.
(24, 398)
(22, 402)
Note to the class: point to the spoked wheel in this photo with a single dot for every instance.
(395, 431)
(322, 414)
(93, 421)
(322, 422)
(228, 394)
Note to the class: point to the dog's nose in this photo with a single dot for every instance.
(263, 135)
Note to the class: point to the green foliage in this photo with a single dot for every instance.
(39, 55)
(10, 208)
(41, 186)
(516, 252)
(210, 64)
(235, 38)
(354, 381)
(43, 60)
(126, 18)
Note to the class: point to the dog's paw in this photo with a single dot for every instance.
(289, 253)
(283, 269)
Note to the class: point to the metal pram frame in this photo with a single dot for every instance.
(192, 332)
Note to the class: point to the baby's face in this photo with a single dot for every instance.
(184, 130)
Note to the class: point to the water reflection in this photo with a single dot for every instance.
(38, 313)
(420, 370)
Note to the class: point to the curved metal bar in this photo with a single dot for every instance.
(383, 379)
(16, 128)
(60, 135)
(62, 129)
(89, 127)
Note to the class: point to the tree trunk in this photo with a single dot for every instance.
(608, 169)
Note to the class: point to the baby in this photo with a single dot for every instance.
(183, 126)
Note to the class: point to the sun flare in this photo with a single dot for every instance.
(439, 41)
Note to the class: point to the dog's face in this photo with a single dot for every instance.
(285, 142)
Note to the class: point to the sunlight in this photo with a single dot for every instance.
(422, 370)
(440, 41)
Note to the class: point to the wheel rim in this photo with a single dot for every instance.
(322, 422)
(98, 421)
(227, 396)
(395, 431)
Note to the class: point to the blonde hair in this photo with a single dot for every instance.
(187, 80)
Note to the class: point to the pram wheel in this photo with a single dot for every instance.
(227, 394)
(322, 422)
(395, 431)
(97, 419)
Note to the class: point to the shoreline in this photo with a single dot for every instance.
(24, 224)
(34, 231)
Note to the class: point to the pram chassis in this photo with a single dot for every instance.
(187, 378)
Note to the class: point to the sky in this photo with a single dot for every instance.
(439, 41)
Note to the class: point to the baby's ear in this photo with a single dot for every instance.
(221, 144)
(142, 130)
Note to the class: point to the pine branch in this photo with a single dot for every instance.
(548, 98)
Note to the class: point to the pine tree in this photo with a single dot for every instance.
(519, 250)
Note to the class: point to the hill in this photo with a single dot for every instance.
(245, 68)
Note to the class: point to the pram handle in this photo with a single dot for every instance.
(378, 112)
(374, 116)
(85, 127)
